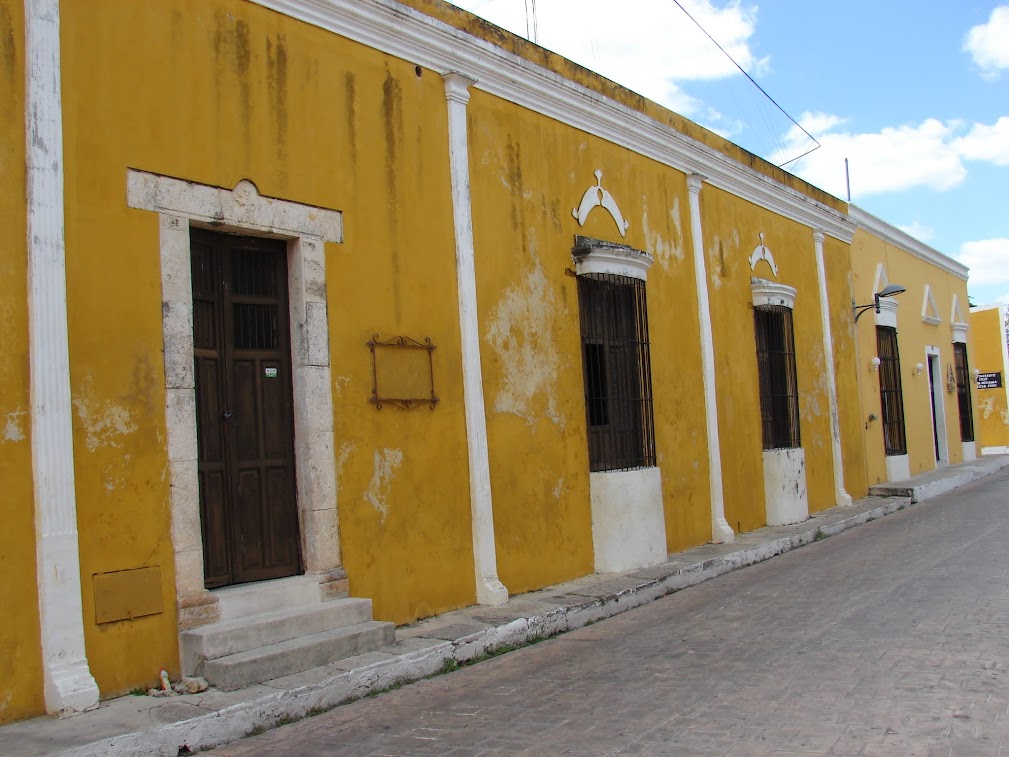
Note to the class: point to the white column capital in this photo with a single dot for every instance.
(457, 86)
(818, 236)
(694, 183)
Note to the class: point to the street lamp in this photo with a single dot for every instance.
(890, 290)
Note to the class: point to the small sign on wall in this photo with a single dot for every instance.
(989, 380)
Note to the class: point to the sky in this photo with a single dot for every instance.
(914, 93)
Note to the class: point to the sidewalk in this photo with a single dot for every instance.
(141, 725)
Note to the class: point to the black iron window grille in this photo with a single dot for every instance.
(891, 395)
(617, 372)
(963, 392)
(779, 388)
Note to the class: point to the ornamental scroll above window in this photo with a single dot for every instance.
(402, 372)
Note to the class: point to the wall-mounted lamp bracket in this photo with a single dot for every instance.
(890, 290)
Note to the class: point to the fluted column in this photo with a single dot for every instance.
(841, 497)
(720, 530)
(69, 685)
(489, 589)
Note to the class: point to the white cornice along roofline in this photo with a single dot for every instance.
(906, 242)
(406, 33)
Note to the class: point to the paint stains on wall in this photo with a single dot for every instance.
(521, 331)
(387, 462)
(987, 407)
(341, 460)
(103, 421)
(668, 250)
(722, 254)
(13, 426)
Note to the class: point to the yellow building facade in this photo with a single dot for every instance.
(915, 357)
(991, 367)
(381, 301)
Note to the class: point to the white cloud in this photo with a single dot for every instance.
(646, 45)
(985, 142)
(891, 160)
(988, 260)
(928, 155)
(988, 44)
(918, 230)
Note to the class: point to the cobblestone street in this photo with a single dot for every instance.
(889, 639)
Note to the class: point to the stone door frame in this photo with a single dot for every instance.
(180, 205)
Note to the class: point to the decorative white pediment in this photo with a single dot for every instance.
(761, 252)
(767, 293)
(594, 197)
(881, 280)
(929, 311)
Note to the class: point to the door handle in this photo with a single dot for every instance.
(226, 414)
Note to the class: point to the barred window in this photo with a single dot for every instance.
(779, 392)
(963, 392)
(891, 395)
(617, 372)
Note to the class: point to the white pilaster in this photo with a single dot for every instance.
(720, 530)
(841, 497)
(489, 589)
(69, 685)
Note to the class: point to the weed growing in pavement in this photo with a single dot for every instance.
(820, 535)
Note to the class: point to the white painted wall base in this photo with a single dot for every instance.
(628, 523)
(898, 468)
(994, 451)
(969, 452)
(785, 496)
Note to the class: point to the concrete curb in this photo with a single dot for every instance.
(612, 595)
(941, 481)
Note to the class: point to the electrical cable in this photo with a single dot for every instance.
(755, 84)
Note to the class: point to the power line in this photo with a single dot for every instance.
(753, 81)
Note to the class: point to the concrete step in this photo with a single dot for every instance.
(241, 634)
(261, 597)
(295, 655)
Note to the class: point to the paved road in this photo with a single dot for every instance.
(889, 639)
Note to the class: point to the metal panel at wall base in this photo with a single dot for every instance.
(628, 524)
(785, 486)
(128, 594)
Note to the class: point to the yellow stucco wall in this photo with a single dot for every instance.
(219, 92)
(988, 355)
(528, 172)
(913, 337)
(20, 655)
(731, 232)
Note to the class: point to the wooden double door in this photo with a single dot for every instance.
(244, 409)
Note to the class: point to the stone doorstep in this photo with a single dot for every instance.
(419, 652)
(230, 637)
(295, 655)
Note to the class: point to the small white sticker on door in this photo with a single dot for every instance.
(270, 372)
